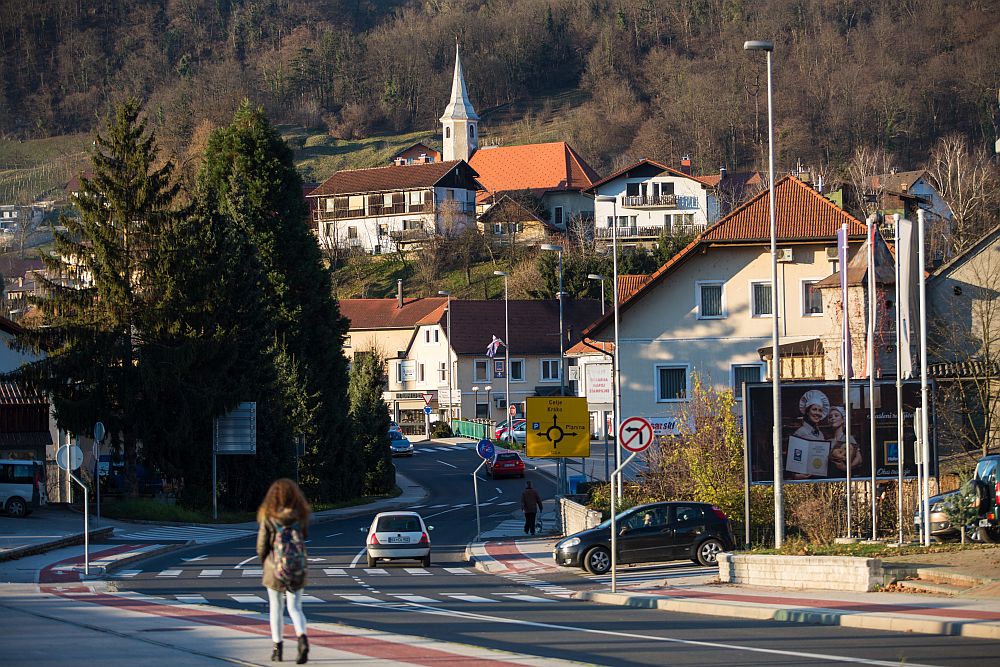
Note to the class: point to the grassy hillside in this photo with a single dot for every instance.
(30, 170)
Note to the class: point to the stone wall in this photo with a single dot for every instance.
(574, 517)
(842, 573)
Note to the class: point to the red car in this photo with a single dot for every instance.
(505, 464)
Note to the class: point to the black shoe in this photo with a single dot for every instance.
(276, 652)
(303, 650)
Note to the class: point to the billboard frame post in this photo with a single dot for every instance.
(924, 401)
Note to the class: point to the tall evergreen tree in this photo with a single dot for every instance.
(371, 421)
(249, 179)
(92, 310)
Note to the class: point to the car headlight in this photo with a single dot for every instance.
(566, 544)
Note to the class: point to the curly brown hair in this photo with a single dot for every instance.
(284, 496)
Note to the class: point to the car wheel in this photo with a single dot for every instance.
(371, 561)
(426, 561)
(16, 507)
(597, 560)
(708, 551)
(990, 535)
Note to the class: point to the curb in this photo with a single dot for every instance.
(43, 547)
(476, 555)
(867, 621)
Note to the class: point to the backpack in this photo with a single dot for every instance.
(288, 555)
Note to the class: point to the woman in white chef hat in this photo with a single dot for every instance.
(814, 406)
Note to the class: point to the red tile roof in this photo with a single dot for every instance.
(383, 179)
(801, 214)
(644, 161)
(540, 168)
(630, 283)
(386, 313)
(586, 347)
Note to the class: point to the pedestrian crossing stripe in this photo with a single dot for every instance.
(210, 573)
(253, 572)
(458, 570)
(417, 571)
(521, 597)
(468, 598)
(248, 599)
(360, 598)
(192, 599)
(170, 573)
(419, 599)
(334, 572)
(185, 533)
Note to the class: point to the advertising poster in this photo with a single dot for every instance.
(814, 443)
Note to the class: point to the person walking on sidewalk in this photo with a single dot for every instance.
(281, 548)
(531, 503)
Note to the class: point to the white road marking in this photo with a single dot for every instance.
(415, 598)
(334, 572)
(256, 572)
(459, 570)
(196, 558)
(169, 573)
(240, 565)
(335, 534)
(468, 598)
(360, 598)
(210, 573)
(310, 598)
(191, 599)
(375, 571)
(249, 599)
(436, 507)
(524, 598)
(499, 490)
(128, 573)
(361, 554)
(417, 571)
(446, 464)
(509, 502)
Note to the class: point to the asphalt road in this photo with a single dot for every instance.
(451, 601)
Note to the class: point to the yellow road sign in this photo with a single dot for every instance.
(557, 427)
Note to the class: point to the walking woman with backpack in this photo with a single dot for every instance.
(281, 548)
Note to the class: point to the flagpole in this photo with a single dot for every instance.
(925, 434)
(899, 391)
(848, 366)
(872, 219)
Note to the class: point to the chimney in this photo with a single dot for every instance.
(722, 173)
(399, 292)
(686, 165)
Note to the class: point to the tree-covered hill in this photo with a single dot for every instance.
(656, 78)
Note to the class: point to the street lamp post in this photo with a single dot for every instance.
(506, 347)
(779, 509)
(597, 276)
(451, 369)
(616, 366)
(562, 371)
(489, 407)
(475, 399)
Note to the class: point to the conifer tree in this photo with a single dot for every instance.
(371, 421)
(248, 178)
(105, 280)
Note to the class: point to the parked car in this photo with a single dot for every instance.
(393, 426)
(649, 534)
(987, 481)
(516, 434)
(113, 481)
(22, 486)
(395, 535)
(941, 527)
(400, 444)
(505, 464)
(501, 431)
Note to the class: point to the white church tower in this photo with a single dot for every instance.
(460, 123)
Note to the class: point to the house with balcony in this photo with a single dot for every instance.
(708, 310)
(650, 198)
(385, 209)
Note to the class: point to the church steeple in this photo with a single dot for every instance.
(460, 123)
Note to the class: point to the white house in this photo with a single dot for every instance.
(651, 197)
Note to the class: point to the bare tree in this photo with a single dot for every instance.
(968, 182)
(866, 163)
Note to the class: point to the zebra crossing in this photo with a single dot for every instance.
(197, 534)
(634, 577)
(329, 572)
(429, 450)
(374, 598)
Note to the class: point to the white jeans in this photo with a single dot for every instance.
(277, 607)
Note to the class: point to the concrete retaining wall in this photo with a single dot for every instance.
(843, 573)
(575, 517)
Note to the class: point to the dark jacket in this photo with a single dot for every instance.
(265, 538)
(531, 502)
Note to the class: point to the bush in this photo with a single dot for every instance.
(441, 430)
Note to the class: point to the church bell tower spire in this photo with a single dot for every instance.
(460, 123)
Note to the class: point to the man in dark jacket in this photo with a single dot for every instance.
(531, 502)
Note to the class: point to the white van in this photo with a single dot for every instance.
(22, 486)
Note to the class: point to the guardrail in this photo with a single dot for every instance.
(469, 428)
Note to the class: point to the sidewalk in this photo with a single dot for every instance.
(897, 612)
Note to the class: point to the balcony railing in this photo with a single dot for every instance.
(651, 201)
(647, 232)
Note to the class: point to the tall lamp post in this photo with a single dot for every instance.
(616, 370)
(451, 369)
(779, 509)
(597, 276)
(562, 371)
(489, 407)
(506, 347)
(475, 393)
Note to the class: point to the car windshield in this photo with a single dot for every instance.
(507, 457)
(398, 523)
(395, 435)
(623, 516)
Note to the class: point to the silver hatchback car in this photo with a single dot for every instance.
(398, 535)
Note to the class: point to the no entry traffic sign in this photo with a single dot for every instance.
(635, 434)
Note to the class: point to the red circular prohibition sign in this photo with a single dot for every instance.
(635, 434)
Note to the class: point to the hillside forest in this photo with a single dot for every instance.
(640, 78)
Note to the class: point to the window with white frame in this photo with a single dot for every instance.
(812, 298)
(517, 370)
(743, 373)
(498, 228)
(671, 383)
(760, 299)
(352, 232)
(550, 370)
(431, 336)
(710, 300)
(632, 189)
(481, 370)
(443, 371)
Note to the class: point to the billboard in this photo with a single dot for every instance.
(814, 447)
